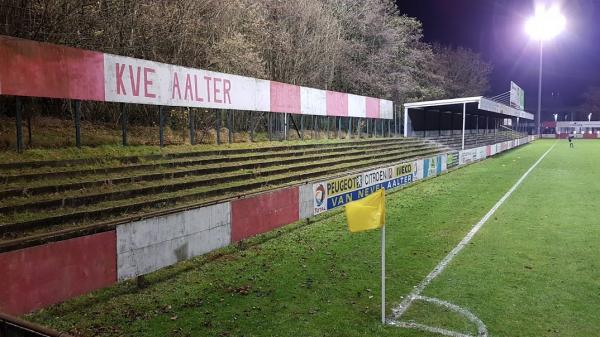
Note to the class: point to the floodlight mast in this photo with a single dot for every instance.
(546, 24)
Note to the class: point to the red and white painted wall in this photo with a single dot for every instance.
(35, 69)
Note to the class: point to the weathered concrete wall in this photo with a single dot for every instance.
(305, 201)
(36, 277)
(147, 245)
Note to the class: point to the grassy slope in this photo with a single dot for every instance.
(533, 269)
(315, 280)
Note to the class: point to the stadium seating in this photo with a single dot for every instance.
(472, 140)
(39, 198)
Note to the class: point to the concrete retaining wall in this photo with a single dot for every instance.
(147, 245)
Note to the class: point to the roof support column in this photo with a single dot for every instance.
(405, 122)
(463, 124)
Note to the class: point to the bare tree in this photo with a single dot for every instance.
(463, 71)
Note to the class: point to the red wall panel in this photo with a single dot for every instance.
(373, 107)
(39, 276)
(337, 104)
(264, 212)
(285, 97)
(29, 68)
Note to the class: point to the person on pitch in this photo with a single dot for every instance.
(571, 145)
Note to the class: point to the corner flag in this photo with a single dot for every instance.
(365, 214)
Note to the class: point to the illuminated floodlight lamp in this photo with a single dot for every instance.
(547, 23)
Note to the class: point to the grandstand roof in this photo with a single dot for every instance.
(483, 104)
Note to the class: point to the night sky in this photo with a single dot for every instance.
(496, 30)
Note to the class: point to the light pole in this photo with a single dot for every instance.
(590, 117)
(547, 23)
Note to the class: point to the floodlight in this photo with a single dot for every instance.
(547, 23)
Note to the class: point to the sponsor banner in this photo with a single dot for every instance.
(34, 69)
(517, 96)
(481, 153)
(339, 191)
(467, 156)
(342, 199)
(432, 166)
(452, 159)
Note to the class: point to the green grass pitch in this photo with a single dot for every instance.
(532, 270)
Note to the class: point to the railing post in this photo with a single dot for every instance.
(251, 126)
(270, 126)
(349, 127)
(230, 126)
(359, 129)
(302, 127)
(218, 126)
(124, 120)
(18, 120)
(161, 125)
(78, 123)
(192, 127)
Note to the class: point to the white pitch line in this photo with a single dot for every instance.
(427, 328)
(405, 304)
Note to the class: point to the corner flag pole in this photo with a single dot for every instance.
(383, 275)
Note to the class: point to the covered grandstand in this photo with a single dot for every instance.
(464, 123)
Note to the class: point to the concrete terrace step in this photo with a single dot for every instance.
(169, 185)
(78, 218)
(189, 154)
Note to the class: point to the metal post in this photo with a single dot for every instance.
(218, 125)
(78, 123)
(230, 126)
(405, 122)
(339, 133)
(285, 126)
(124, 120)
(383, 274)
(252, 126)
(18, 118)
(270, 125)
(161, 126)
(349, 127)
(539, 110)
(367, 122)
(389, 128)
(328, 125)
(359, 128)
(192, 127)
(463, 124)
(302, 127)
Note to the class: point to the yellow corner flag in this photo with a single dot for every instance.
(367, 213)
